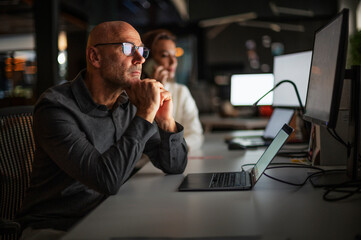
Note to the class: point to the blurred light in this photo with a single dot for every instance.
(358, 16)
(179, 52)
(61, 58)
(14, 64)
(251, 44)
(277, 48)
(252, 55)
(254, 63)
(228, 19)
(62, 41)
(221, 80)
(266, 41)
(275, 27)
(145, 4)
(265, 67)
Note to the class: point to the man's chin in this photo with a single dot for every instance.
(134, 79)
(131, 81)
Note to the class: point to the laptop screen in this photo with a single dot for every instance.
(279, 117)
(271, 151)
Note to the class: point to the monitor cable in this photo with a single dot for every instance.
(276, 86)
(300, 114)
(345, 189)
(294, 165)
(334, 134)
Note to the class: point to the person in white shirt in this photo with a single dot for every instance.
(161, 65)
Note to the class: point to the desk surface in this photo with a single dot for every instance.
(149, 205)
(215, 121)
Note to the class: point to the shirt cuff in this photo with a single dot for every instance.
(172, 138)
(141, 129)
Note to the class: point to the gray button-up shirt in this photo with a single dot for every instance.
(85, 152)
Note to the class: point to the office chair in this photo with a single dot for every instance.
(16, 157)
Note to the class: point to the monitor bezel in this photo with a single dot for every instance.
(339, 72)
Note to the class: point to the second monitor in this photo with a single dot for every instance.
(246, 89)
(296, 68)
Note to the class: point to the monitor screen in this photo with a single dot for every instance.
(327, 72)
(246, 89)
(294, 67)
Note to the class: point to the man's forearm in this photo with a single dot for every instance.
(168, 126)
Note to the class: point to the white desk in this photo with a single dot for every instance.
(149, 205)
(215, 121)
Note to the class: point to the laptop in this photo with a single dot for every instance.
(243, 180)
(279, 117)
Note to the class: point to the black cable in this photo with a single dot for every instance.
(338, 136)
(325, 172)
(339, 139)
(334, 134)
(348, 194)
(294, 165)
(276, 86)
(286, 165)
(329, 188)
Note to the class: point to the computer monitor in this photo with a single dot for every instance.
(296, 68)
(246, 89)
(327, 72)
(325, 90)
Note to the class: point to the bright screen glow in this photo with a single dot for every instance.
(246, 89)
(270, 153)
(294, 67)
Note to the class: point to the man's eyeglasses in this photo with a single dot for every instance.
(129, 48)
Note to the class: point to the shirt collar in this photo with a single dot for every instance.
(85, 100)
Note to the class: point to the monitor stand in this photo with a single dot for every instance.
(353, 160)
(325, 150)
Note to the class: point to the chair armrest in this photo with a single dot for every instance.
(9, 227)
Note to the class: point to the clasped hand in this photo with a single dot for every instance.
(153, 102)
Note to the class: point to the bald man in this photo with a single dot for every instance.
(91, 132)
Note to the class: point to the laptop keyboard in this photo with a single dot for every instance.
(228, 179)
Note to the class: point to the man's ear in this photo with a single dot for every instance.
(93, 57)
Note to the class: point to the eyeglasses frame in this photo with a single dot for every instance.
(121, 43)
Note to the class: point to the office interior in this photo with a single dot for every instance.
(42, 44)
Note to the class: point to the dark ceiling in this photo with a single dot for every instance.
(16, 16)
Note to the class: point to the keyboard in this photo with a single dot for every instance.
(228, 179)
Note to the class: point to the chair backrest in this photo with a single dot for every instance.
(16, 156)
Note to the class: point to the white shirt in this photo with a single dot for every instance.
(186, 113)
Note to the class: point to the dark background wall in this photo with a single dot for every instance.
(213, 50)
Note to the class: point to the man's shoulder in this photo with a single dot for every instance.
(57, 95)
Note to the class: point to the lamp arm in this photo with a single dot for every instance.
(276, 86)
